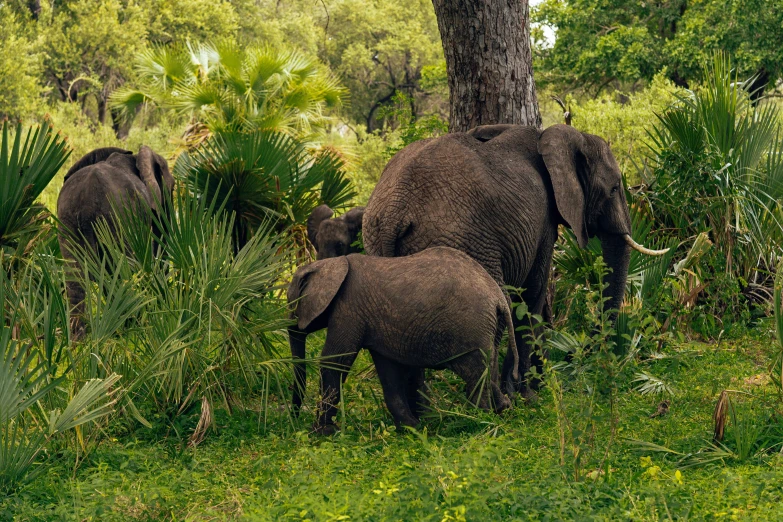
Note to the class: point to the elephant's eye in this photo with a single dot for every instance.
(615, 189)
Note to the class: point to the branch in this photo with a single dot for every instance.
(566, 111)
(326, 27)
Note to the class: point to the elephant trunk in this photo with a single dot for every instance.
(617, 255)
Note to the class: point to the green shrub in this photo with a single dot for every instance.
(20, 67)
(228, 87)
(184, 316)
(40, 398)
(408, 127)
(717, 167)
(265, 176)
(623, 119)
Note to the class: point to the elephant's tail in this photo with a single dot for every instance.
(505, 309)
(384, 231)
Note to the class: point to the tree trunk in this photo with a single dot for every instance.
(35, 8)
(488, 61)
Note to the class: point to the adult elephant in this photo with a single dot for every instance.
(99, 179)
(498, 193)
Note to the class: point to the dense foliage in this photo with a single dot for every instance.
(225, 87)
(175, 404)
(265, 178)
(624, 42)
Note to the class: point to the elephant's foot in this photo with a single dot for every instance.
(501, 402)
(529, 395)
(325, 429)
(408, 423)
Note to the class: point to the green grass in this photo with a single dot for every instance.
(467, 465)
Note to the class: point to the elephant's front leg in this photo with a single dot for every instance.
(534, 296)
(337, 357)
(298, 339)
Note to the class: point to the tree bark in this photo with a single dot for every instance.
(488, 61)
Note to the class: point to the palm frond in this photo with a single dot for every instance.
(28, 162)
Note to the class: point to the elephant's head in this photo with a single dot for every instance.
(154, 172)
(333, 237)
(313, 289)
(590, 198)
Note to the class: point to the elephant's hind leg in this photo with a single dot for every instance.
(475, 369)
(417, 398)
(74, 290)
(395, 380)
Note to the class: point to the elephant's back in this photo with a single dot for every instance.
(88, 193)
(430, 303)
(489, 199)
(424, 193)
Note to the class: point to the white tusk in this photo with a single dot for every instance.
(636, 246)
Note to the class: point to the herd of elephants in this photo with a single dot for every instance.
(452, 221)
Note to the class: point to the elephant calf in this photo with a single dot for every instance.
(333, 237)
(435, 309)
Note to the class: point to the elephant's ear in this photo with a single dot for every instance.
(154, 172)
(488, 132)
(561, 147)
(91, 158)
(353, 218)
(320, 213)
(314, 287)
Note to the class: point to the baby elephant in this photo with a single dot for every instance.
(333, 237)
(435, 309)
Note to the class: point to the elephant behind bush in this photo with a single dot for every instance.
(92, 185)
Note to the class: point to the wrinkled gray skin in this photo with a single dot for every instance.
(498, 193)
(100, 177)
(333, 237)
(435, 309)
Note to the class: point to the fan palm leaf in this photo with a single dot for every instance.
(718, 167)
(28, 162)
(227, 87)
(263, 175)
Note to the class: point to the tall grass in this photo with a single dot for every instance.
(40, 398)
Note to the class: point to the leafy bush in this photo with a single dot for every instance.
(195, 314)
(265, 176)
(584, 388)
(20, 68)
(717, 166)
(226, 87)
(623, 119)
(409, 128)
(39, 395)
(776, 368)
